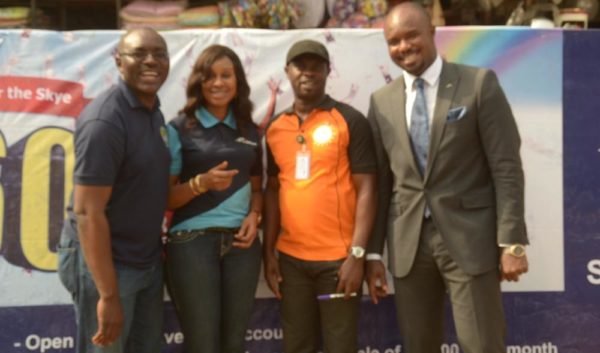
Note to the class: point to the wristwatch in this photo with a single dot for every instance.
(516, 250)
(357, 251)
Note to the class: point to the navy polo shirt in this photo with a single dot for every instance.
(199, 148)
(122, 144)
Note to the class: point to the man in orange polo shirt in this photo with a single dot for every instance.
(319, 208)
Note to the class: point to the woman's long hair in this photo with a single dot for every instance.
(241, 104)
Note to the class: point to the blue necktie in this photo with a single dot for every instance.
(419, 126)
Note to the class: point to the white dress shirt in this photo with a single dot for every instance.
(431, 76)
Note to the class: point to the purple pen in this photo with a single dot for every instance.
(334, 296)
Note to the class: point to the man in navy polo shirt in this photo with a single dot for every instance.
(120, 194)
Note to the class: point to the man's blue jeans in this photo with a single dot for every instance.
(141, 294)
(213, 285)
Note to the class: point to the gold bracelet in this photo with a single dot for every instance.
(201, 189)
(193, 187)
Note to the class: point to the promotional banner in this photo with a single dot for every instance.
(46, 78)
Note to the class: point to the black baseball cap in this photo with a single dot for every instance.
(307, 46)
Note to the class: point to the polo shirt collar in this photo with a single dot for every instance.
(208, 120)
(131, 98)
(327, 103)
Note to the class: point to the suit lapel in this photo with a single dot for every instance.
(396, 110)
(446, 89)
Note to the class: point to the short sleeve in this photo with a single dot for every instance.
(361, 150)
(100, 150)
(175, 150)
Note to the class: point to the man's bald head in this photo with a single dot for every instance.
(143, 61)
(409, 35)
(126, 37)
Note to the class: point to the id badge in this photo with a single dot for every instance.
(302, 164)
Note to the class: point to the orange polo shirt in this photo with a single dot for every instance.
(318, 213)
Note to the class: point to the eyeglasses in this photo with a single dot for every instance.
(142, 55)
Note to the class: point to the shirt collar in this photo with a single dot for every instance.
(327, 103)
(208, 120)
(131, 98)
(431, 75)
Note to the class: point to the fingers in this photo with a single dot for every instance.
(106, 334)
(272, 275)
(245, 237)
(376, 280)
(220, 179)
(373, 294)
(275, 289)
(273, 280)
(512, 267)
(350, 277)
(110, 322)
(377, 288)
(510, 276)
(221, 166)
(341, 282)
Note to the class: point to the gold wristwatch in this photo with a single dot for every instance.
(516, 250)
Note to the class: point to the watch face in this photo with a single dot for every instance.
(517, 250)
(357, 251)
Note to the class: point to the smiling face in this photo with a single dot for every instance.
(308, 75)
(220, 87)
(143, 62)
(409, 36)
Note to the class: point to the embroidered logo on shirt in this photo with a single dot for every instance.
(245, 141)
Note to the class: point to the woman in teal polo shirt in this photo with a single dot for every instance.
(213, 256)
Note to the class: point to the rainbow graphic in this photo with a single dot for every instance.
(528, 62)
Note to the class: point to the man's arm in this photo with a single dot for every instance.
(94, 235)
(501, 144)
(271, 221)
(375, 269)
(351, 272)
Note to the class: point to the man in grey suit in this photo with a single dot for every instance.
(450, 192)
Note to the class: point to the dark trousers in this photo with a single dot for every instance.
(305, 319)
(476, 301)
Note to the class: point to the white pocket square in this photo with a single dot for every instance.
(455, 114)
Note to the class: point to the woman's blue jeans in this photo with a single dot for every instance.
(213, 285)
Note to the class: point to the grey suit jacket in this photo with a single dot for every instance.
(474, 180)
